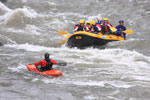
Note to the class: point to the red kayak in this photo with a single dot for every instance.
(52, 72)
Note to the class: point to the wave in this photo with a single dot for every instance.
(4, 8)
(117, 56)
(20, 16)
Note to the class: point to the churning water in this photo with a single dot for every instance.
(28, 29)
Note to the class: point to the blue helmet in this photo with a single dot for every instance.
(121, 21)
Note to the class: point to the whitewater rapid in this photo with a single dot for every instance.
(28, 29)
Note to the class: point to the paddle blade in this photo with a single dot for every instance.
(62, 42)
(68, 36)
(113, 29)
(128, 31)
(62, 64)
(62, 32)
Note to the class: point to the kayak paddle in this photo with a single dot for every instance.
(62, 63)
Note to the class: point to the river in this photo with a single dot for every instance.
(28, 29)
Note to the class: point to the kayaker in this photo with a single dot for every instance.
(121, 28)
(95, 28)
(106, 26)
(80, 26)
(45, 64)
(87, 27)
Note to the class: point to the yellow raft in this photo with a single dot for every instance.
(82, 39)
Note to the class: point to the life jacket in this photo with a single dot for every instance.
(120, 28)
(99, 28)
(78, 28)
(105, 27)
(87, 28)
(96, 28)
(49, 65)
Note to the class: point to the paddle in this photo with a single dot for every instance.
(68, 36)
(62, 42)
(62, 32)
(62, 63)
(113, 29)
(128, 31)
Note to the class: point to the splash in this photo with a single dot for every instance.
(20, 16)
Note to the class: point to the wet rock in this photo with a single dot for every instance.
(1, 44)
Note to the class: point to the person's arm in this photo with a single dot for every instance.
(117, 27)
(125, 28)
(118, 30)
(37, 63)
(54, 62)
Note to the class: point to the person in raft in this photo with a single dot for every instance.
(99, 21)
(45, 64)
(95, 28)
(80, 26)
(106, 27)
(121, 28)
(87, 27)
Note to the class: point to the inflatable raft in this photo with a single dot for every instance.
(82, 39)
(52, 72)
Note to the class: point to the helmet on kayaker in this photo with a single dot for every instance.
(121, 21)
(105, 19)
(93, 22)
(81, 21)
(46, 55)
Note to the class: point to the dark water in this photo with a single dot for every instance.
(28, 29)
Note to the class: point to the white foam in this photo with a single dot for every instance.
(35, 79)
(90, 97)
(4, 8)
(125, 64)
(141, 78)
(18, 68)
(95, 17)
(24, 1)
(31, 29)
(89, 83)
(116, 56)
(28, 47)
(51, 3)
(19, 15)
(4, 39)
